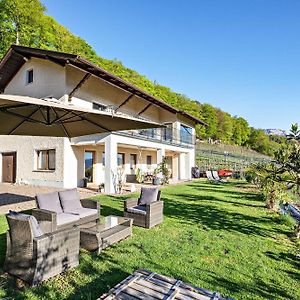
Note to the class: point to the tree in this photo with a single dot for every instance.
(20, 22)
(225, 126)
(294, 134)
(241, 131)
(285, 171)
(210, 117)
(259, 141)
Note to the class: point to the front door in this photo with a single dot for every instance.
(9, 167)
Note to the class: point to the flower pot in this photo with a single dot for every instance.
(85, 182)
(156, 181)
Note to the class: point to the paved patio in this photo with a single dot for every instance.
(21, 197)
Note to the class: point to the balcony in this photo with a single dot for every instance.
(163, 135)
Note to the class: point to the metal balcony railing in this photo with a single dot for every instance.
(163, 135)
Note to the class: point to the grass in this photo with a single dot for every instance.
(218, 237)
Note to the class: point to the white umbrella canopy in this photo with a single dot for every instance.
(22, 115)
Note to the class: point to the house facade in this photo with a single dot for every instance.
(102, 158)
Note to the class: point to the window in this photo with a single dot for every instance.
(148, 133)
(46, 159)
(121, 159)
(186, 134)
(167, 132)
(132, 161)
(29, 76)
(149, 160)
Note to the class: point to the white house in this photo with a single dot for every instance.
(63, 162)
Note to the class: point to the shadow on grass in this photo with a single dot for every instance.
(201, 210)
(100, 281)
(255, 286)
(288, 258)
(107, 210)
(240, 199)
(254, 196)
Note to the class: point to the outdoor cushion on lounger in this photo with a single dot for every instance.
(84, 212)
(148, 195)
(138, 209)
(70, 200)
(49, 201)
(65, 218)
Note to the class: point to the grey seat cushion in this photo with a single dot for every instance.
(84, 212)
(148, 195)
(70, 200)
(64, 218)
(36, 229)
(49, 201)
(138, 209)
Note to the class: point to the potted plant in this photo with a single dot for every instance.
(85, 181)
(101, 187)
(140, 176)
(165, 171)
(156, 179)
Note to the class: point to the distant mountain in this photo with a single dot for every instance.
(278, 132)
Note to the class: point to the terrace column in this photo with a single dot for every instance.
(190, 163)
(111, 164)
(160, 154)
(182, 166)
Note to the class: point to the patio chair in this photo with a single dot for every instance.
(217, 177)
(34, 256)
(147, 210)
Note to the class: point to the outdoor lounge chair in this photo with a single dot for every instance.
(147, 210)
(210, 177)
(59, 210)
(217, 177)
(34, 256)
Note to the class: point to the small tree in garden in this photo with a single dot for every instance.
(294, 134)
(267, 177)
(164, 170)
(118, 179)
(284, 173)
(140, 176)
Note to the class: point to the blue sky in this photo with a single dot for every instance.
(240, 55)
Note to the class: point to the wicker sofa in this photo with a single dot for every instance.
(60, 210)
(147, 210)
(35, 256)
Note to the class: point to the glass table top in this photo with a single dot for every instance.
(109, 222)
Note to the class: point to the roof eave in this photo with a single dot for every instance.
(87, 66)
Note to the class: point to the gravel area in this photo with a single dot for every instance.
(21, 197)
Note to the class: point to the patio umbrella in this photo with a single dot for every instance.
(22, 115)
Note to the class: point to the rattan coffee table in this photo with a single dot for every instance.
(111, 230)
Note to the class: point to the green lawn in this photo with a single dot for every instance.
(218, 237)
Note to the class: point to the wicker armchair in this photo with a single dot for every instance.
(148, 215)
(37, 258)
